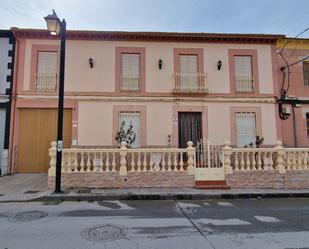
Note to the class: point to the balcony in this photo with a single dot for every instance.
(46, 82)
(190, 83)
(244, 84)
(129, 82)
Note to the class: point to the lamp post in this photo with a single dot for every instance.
(57, 27)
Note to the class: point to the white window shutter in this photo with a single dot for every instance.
(243, 66)
(188, 64)
(47, 62)
(245, 128)
(134, 119)
(46, 76)
(188, 72)
(130, 72)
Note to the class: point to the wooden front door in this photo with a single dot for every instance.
(37, 129)
(189, 128)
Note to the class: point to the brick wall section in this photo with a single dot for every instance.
(134, 180)
(269, 179)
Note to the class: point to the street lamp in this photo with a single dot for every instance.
(56, 27)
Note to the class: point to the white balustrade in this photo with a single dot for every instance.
(123, 160)
(296, 158)
(130, 82)
(244, 84)
(190, 82)
(251, 159)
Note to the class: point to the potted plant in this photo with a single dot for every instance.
(125, 135)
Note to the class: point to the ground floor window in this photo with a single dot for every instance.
(133, 120)
(245, 128)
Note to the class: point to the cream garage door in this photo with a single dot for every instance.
(37, 129)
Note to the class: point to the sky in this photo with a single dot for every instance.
(287, 17)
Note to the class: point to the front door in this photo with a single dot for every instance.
(189, 128)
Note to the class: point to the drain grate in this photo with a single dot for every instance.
(83, 191)
(31, 192)
(108, 232)
(28, 216)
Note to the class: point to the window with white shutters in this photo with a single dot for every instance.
(130, 72)
(188, 72)
(134, 119)
(306, 73)
(245, 128)
(243, 74)
(46, 76)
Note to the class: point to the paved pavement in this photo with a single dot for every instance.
(33, 187)
(189, 224)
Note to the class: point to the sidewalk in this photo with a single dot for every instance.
(32, 187)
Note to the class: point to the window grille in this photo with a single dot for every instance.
(46, 76)
(134, 119)
(245, 128)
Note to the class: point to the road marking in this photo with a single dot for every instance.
(188, 205)
(225, 204)
(206, 204)
(227, 222)
(267, 219)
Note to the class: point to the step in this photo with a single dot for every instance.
(215, 185)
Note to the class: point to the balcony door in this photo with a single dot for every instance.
(189, 128)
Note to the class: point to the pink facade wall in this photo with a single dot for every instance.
(94, 94)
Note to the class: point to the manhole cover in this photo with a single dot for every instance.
(28, 216)
(106, 232)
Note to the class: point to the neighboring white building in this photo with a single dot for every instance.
(6, 74)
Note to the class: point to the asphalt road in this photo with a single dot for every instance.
(226, 224)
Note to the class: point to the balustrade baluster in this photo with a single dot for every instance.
(100, 162)
(133, 162)
(181, 161)
(82, 163)
(169, 162)
(145, 162)
(236, 162)
(259, 162)
(306, 160)
(253, 160)
(248, 164)
(294, 161)
(113, 162)
(271, 161)
(75, 169)
(175, 161)
(163, 162)
(299, 160)
(88, 163)
(107, 164)
(139, 162)
(242, 161)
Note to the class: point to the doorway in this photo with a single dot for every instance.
(189, 128)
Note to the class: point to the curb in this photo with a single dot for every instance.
(167, 197)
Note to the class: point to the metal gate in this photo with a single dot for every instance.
(209, 154)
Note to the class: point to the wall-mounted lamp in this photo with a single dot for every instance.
(219, 65)
(91, 62)
(160, 64)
